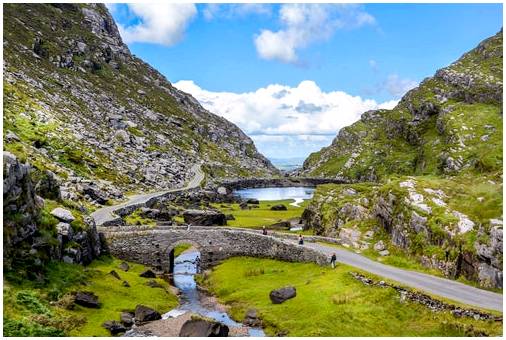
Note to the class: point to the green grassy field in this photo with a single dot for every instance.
(329, 303)
(34, 315)
(258, 217)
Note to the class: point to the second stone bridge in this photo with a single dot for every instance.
(154, 246)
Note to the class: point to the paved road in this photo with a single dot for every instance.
(431, 284)
(107, 214)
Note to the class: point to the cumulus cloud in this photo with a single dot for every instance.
(230, 11)
(397, 86)
(303, 116)
(158, 23)
(304, 24)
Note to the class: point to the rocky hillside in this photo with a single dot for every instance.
(451, 123)
(78, 103)
(430, 173)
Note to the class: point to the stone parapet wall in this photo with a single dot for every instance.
(152, 246)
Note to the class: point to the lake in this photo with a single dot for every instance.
(275, 194)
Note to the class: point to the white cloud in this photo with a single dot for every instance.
(397, 86)
(304, 24)
(303, 117)
(230, 11)
(159, 23)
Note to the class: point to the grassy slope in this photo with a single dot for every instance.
(328, 303)
(258, 217)
(64, 278)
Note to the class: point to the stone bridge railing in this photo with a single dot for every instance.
(153, 246)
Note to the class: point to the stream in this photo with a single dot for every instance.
(191, 298)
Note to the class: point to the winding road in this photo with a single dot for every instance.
(446, 288)
(107, 214)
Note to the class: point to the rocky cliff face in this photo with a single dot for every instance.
(453, 226)
(32, 233)
(431, 170)
(78, 103)
(450, 124)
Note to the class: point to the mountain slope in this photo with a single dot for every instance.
(79, 104)
(429, 175)
(450, 123)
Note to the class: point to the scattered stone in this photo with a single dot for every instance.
(384, 253)
(243, 205)
(62, 214)
(153, 284)
(115, 274)
(124, 266)
(127, 318)
(12, 137)
(251, 318)
(423, 299)
(148, 273)
(282, 294)
(379, 246)
(203, 328)
(369, 234)
(144, 314)
(126, 284)
(279, 207)
(222, 190)
(87, 299)
(253, 201)
(114, 327)
(230, 217)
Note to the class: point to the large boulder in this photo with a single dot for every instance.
(87, 299)
(283, 225)
(203, 328)
(253, 201)
(144, 314)
(278, 207)
(282, 294)
(95, 193)
(63, 215)
(204, 217)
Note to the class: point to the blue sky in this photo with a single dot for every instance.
(292, 75)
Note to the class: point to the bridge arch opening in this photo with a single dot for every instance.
(175, 249)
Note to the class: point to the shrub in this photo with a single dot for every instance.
(31, 302)
(25, 328)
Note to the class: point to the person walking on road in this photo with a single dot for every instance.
(301, 239)
(333, 260)
(264, 231)
(188, 227)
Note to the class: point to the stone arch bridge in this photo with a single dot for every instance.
(154, 246)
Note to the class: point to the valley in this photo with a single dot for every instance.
(131, 210)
